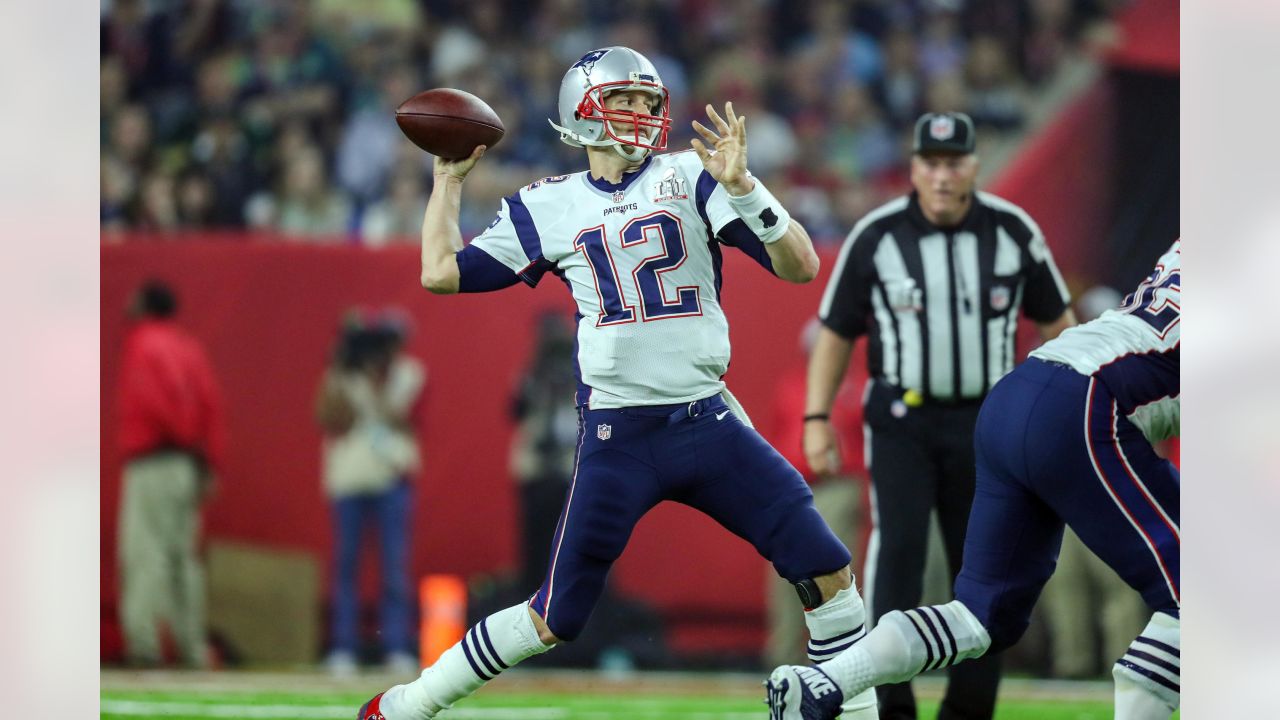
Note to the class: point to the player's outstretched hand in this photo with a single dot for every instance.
(459, 168)
(728, 163)
(820, 448)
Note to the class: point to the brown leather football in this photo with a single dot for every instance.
(449, 123)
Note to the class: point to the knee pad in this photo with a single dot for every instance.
(1152, 663)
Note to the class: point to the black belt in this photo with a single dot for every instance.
(914, 398)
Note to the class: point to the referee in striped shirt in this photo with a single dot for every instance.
(935, 280)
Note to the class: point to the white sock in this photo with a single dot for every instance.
(904, 644)
(881, 657)
(491, 646)
(834, 627)
(1136, 702)
(1148, 677)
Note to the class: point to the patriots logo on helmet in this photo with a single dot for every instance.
(942, 128)
(588, 61)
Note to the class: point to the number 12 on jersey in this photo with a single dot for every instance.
(663, 234)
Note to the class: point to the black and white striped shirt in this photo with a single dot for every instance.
(940, 305)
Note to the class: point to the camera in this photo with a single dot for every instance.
(359, 345)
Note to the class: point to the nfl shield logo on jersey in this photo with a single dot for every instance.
(604, 431)
(1000, 298)
(619, 196)
(942, 128)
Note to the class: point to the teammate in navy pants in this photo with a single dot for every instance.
(1063, 439)
(1043, 430)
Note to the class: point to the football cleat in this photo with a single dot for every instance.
(371, 709)
(797, 692)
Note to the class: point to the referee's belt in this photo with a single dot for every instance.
(913, 398)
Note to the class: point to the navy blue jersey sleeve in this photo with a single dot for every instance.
(512, 240)
(736, 234)
(478, 271)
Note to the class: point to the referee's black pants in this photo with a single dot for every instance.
(921, 458)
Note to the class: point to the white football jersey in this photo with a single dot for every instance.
(1134, 349)
(642, 262)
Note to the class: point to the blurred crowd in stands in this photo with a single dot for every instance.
(277, 115)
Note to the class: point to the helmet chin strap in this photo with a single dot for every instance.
(635, 154)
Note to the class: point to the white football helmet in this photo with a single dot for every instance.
(584, 121)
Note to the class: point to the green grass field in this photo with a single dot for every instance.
(530, 696)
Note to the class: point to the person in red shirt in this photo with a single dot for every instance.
(173, 441)
(841, 499)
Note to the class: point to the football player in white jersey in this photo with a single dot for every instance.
(637, 240)
(1063, 439)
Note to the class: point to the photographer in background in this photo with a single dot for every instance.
(369, 404)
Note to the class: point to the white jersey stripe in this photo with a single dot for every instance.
(1106, 484)
(995, 350)
(1008, 257)
(890, 264)
(969, 315)
(937, 301)
(888, 338)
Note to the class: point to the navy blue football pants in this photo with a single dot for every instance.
(698, 454)
(1053, 448)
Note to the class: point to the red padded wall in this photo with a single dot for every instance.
(267, 313)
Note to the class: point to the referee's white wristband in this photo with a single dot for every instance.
(762, 213)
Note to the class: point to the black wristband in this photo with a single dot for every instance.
(817, 416)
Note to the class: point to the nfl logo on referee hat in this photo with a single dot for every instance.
(949, 132)
(604, 431)
(942, 127)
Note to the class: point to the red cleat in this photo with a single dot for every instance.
(371, 710)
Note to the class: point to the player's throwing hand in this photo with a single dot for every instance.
(458, 169)
(728, 164)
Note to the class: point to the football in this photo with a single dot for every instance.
(449, 123)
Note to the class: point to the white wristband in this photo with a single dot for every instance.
(762, 212)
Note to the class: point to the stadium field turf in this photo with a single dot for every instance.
(530, 696)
